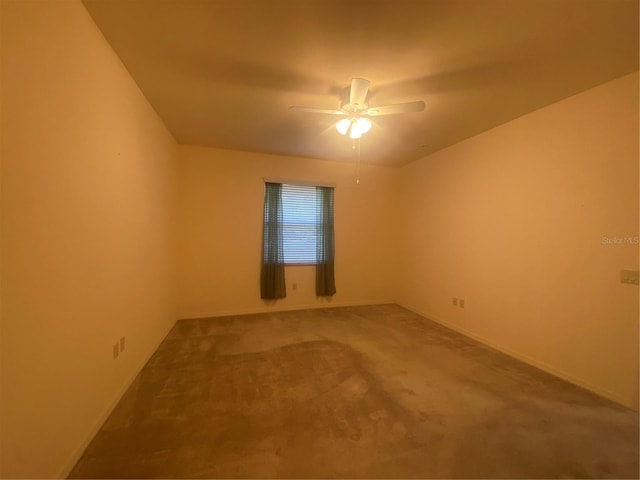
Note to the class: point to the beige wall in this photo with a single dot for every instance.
(512, 221)
(86, 198)
(221, 198)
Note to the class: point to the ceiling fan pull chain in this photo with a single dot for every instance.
(358, 167)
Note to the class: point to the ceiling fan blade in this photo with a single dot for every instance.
(317, 110)
(396, 108)
(359, 89)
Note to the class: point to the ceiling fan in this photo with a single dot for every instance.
(357, 111)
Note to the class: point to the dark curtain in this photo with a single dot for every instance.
(325, 280)
(272, 283)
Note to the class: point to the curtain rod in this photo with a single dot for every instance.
(299, 182)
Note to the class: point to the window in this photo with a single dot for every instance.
(298, 230)
(299, 224)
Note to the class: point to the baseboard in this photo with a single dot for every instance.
(73, 459)
(525, 358)
(285, 308)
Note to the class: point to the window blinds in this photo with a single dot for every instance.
(299, 223)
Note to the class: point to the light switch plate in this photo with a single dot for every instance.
(629, 276)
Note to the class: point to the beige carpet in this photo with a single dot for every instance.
(352, 392)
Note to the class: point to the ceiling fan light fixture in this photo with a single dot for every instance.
(363, 125)
(343, 126)
(355, 127)
(355, 133)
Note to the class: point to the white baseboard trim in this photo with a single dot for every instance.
(102, 418)
(284, 308)
(525, 358)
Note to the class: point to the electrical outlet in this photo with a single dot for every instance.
(461, 303)
(116, 350)
(455, 301)
(122, 344)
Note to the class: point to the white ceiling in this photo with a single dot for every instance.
(222, 73)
